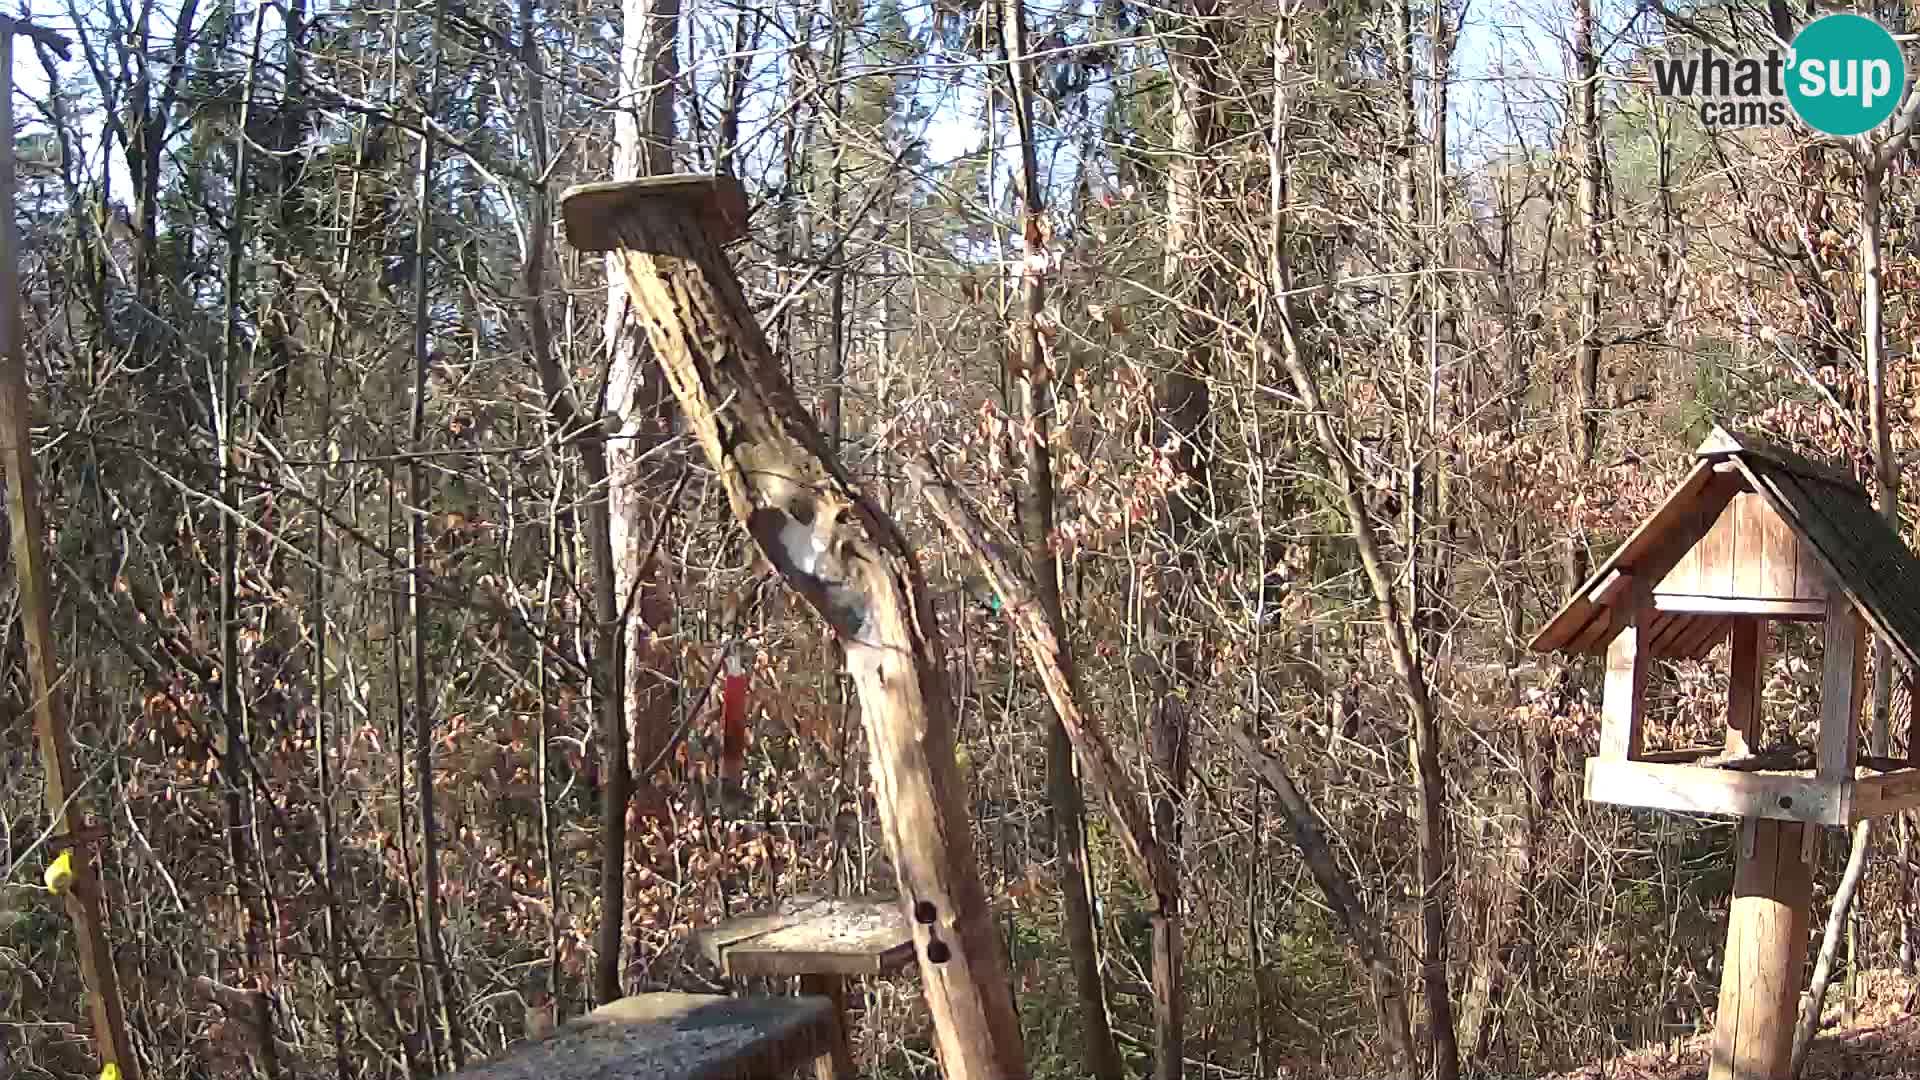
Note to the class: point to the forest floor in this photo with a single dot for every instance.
(1880, 1041)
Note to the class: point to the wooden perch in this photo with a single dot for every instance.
(836, 549)
(1145, 856)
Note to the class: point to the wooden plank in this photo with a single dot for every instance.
(1591, 635)
(1889, 793)
(1704, 633)
(714, 941)
(592, 214)
(670, 1036)
(1810, 578)
(1840, 660)
(1685, 575)
(1802, 610)
(1680, 756)
(1714, 640)
(1612, 587)
(1750, 530)
(1780, 548)
(837, 1062)
(1766, 949)
(836, 937)
(1913, 718)
(1717, 555)
(1667, 629)
(1747, 678)
(1623, 704)
(1693, 790)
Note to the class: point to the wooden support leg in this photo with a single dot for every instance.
(1766, 950)
(836, 1064)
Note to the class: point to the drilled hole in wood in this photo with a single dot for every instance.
(1786, 802)
(925, 913)
(938, 952)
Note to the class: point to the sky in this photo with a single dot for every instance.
(1509, 69)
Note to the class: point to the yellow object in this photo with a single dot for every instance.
(110, 1072)
(59, 876)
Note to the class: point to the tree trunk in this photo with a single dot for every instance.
(1586, 426)
(637, 399)
(1434, 852)
(1033, 387)
(1887, 476)
(1190, 271)
(1310, 836)
(848, 560)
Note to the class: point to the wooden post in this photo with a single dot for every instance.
(1842, 657)
(1766, 950)
(1749, 679)
(1772, 892)
(837, 1062)
(85, 900)
(835, 548)
(1624, 700)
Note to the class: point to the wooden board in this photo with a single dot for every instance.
(814, 936)
(1790, 610)
(674, 1037)
(1718, 552)
(1879, 796)
(1746, 680)
(1747, 554)
(1842, 655)
(593, 214)
(1696, 790)
(1624, 699)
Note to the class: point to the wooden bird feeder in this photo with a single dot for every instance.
(823, 940)
(1754, 533)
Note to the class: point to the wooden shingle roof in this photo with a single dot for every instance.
(1826, 507)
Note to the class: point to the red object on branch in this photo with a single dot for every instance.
(733, 720)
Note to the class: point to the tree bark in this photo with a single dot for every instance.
(1586, 427)
(1887, 477)
(1033, 388)
(1190, 270)
(1384, 987)
(853, 565)
(638, 717)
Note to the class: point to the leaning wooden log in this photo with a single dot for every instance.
(836, 549)
(1146, 857)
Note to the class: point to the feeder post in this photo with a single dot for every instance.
(85, 900)
(1766, 948)
(1766, 952)
(838, 550)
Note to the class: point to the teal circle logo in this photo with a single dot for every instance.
(1845, 74)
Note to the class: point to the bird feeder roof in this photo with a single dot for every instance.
(1839, 535)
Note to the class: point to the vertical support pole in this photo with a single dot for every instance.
(1913, 718)
(836, 1063)
(1749, 678)
(1842, 655)
(1766, 951)
(85, 899)
(1623, 705)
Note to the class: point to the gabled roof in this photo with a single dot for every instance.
(1825, 506)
